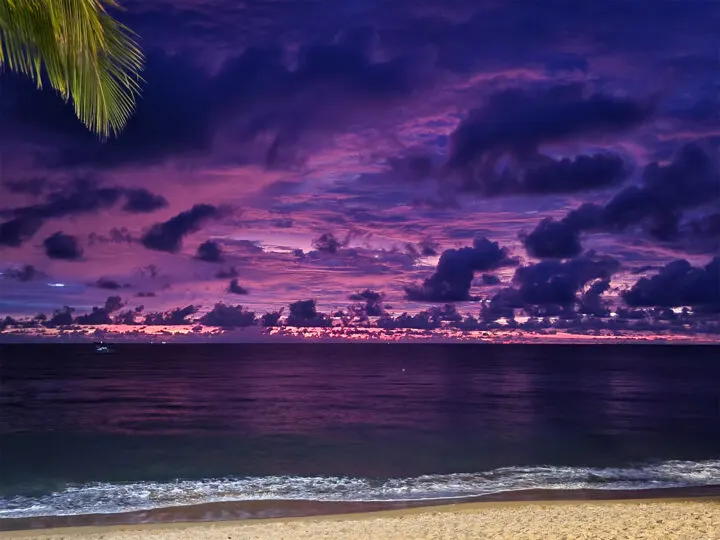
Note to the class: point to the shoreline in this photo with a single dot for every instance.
(264, 511)
(662, 517)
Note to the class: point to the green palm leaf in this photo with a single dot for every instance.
(86, 55)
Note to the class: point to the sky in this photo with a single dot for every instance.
(520, 159)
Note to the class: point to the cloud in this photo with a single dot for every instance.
(27, 272)
(226, 316)
(62, 246)
(456, 268)
(30, 186)
(16, 231)
(373, 302)
(327, 243)
(209, 251)
(168, 236)
(679, 284)
(518, 120)
(303, 313)
(236, 288)
(82, 196)
(111, 284)
(140, 200)
(175, 317)
(572, 175)
(252, 95)
(558, 282)
(553, 239)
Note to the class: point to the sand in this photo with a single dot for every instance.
(598, 520)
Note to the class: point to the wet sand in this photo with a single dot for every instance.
(666, 519)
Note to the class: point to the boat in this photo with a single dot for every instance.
(103, 348)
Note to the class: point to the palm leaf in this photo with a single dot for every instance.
(87, 56)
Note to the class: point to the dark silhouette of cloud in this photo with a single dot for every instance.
(558, 282)
(271, 319)
(553, 239)
(253, 94)
(456, 268)
(175, 317)
(303, 313)
(140, 200)
(236, 288)
(83, 196)
(327, 243)
(209, 251)
(572, 175)
(26, 272)
(168, 236)
(62, 246)
(373, 302)
(31, 186)
(105, 283)
(679, 284)
(16, 231)
(518, 120)
(61, 317)
(229, 273)
(229, 317)
(490, 279)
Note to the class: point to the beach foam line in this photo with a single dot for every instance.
(109, 498)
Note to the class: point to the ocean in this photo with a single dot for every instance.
(159, 432)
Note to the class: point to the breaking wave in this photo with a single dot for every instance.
(105, 498)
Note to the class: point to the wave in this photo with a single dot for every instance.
(108, 498)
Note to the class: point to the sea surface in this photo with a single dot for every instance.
(153, 427)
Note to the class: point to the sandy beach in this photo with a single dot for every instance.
(666, 519)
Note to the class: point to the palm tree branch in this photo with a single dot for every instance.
(86, 55)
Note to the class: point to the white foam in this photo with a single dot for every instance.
(102, 498)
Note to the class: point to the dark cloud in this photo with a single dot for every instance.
(518, 120)
(82, 196)
(579, 174)
(271, 319)
(327, 243)
(553, 239)
(96, 316)
(111, 284)
(303, 313)
(679, 284)
(209, 251)
(140, 200)
(226, 316)
(236, 288)
(490, 279)
(62, 246)
(27, 272)
(61, 317)
(117, 235)
(229, 273)
(16, 231)
(31, 186)
(113, 304)
(656, 206)
(251, 95)
(456, 268)
(558, 282)
(168, 236)
(591, 303)
(174, 317)
(373, 302)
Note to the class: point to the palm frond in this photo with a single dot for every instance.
(86, 55)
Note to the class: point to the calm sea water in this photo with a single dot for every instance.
(161, 425)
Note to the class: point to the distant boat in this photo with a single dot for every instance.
(103, 348)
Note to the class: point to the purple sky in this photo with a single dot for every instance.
(327, 147)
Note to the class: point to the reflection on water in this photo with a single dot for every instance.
(155, 413)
